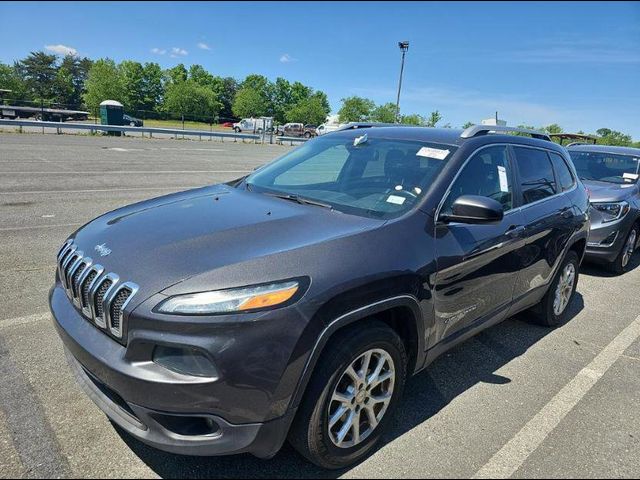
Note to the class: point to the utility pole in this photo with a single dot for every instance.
(404, 46)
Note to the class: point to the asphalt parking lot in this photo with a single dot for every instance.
(518, 400)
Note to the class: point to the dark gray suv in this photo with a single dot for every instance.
(611, 175)
(293, 303)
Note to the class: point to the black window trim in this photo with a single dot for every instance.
(517, 172)
(566, 164)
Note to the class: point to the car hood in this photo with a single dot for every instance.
(610, 192)
(164, 241)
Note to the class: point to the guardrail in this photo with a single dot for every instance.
(291, 140)
(126, 128)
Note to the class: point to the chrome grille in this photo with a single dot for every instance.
(101, 296)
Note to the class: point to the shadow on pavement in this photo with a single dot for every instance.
(470, 363)
(598, 270)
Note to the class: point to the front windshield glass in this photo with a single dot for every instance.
(374, 177)
(606, 167)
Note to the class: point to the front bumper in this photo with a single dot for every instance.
(602, 247)
(174, 413)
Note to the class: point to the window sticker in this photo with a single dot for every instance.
(433, 153)
(504, 182)
(395, 199)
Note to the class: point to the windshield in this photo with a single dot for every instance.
(375, 177)
(606, 167)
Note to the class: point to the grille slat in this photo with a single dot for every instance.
(100, 296)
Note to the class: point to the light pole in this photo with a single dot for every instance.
(404, 46)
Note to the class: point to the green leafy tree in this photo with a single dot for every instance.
(104, 82)
(433, 119)
(356, 109)
(553, 128)
(191, 99)
(468, 124)
(413, 119)
(39, 71)
(309, 110)
(249, 102)
(613, 137)
(152, 86)
(281, 100)
(384, 113)
(132, 77)
(229, 90)
(10, 79)
(177, 74)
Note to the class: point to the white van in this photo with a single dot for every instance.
(253, 125)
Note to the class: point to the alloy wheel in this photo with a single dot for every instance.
(629, 248)
(564, 290)
(361, 398)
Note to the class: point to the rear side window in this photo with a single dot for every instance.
(563, 173)
(537, 181)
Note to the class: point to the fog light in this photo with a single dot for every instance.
(607, 242)
(186, 361)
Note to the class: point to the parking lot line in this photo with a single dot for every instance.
(34, 227)
(516, 451)
(36, 317)
(101, 190)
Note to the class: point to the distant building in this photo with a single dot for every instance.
(494, 121)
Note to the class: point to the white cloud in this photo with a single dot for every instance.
(61, 50)
(286, 58)
(178, 52)
(158, 51)
(203, 46)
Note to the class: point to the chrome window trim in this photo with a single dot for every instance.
(515, 209)
(117, 332)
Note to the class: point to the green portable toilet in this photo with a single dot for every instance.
(111, 113)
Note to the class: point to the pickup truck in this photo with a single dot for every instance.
(296, 130)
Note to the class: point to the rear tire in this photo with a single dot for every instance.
(622, 261)
(311, 433)
(553, 309)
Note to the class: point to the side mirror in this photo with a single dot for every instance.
(475, 209)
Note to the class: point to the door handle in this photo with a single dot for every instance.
(515, 231)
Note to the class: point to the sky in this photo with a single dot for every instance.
(536, 63)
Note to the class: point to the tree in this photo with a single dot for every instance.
(384, 113)
(229, 90)
(553, 128)
(103, 83)
(249, 103)
(413, 119)
(190, 98)
(71, 77)
(613, 137)
(282, 99)
(132, 77)
(468, 124)
(356, 109)
(309, 110)
(39, 71)
(177, 74)
(11, 80)
(433, 119)
(153, 88)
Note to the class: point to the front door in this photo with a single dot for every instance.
(477, 264)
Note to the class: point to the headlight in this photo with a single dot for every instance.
(611, 211)
(233, 300)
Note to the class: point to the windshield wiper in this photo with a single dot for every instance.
(300, 200)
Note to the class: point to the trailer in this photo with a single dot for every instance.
(46, 114)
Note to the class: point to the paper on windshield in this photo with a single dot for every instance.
(396, 199)
(436, 153)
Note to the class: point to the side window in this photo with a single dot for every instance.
(536, 174)
(563, 173)
(323, 168)
(488, 174)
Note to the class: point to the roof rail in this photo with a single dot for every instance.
(477, 130)
(354, 125)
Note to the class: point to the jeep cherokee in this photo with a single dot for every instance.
(293, 303)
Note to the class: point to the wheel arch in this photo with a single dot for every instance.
(402, 313)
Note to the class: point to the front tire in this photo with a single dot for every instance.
(351, 396)
(553, 309)
(622, 261)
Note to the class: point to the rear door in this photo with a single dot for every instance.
(477, 265)
(547, 215)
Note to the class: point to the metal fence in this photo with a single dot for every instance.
(150, 131)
